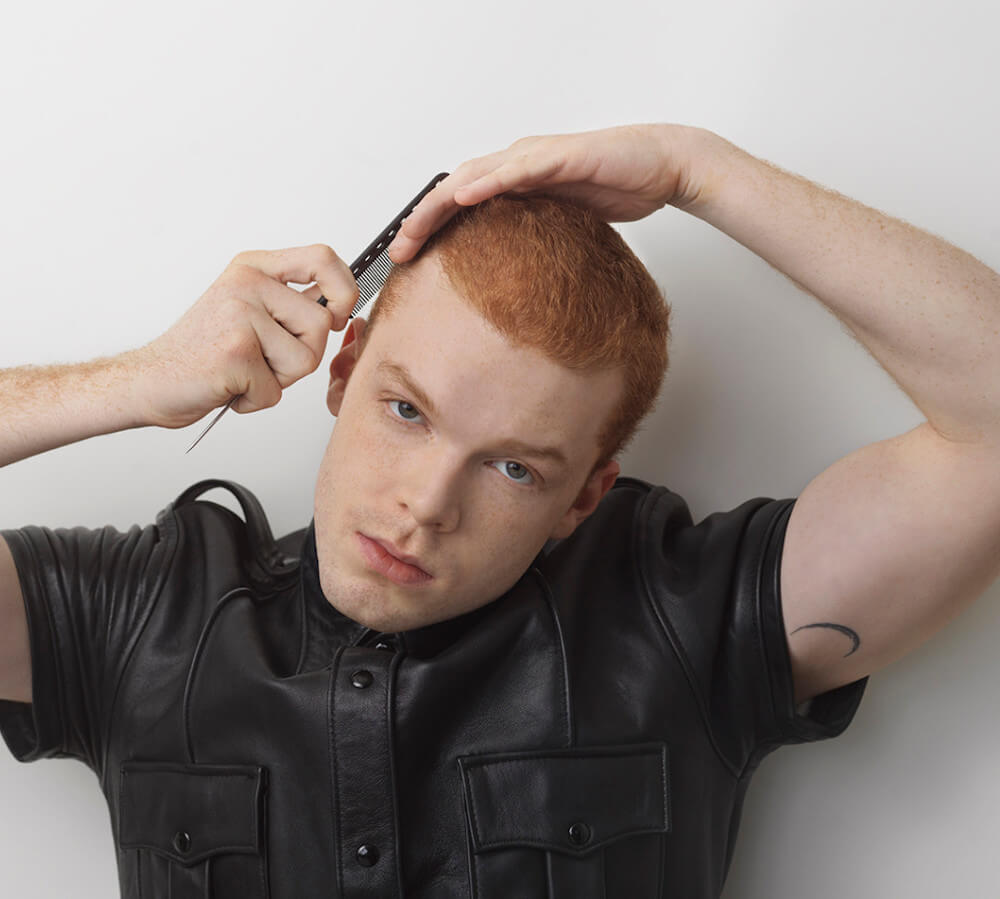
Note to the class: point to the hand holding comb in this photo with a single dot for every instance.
(370, 270)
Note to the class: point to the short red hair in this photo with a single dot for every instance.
(550, 275)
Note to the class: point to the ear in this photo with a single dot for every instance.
(342, 365)
(599, 483)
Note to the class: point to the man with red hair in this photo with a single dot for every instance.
(491, 667)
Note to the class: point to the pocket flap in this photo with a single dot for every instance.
(190, 812)
(572, 801)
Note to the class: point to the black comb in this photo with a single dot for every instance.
(372, 267)
(370, 270)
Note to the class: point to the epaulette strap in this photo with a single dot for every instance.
(265, 548)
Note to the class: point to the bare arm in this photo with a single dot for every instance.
(894, 540)
(48, 407)
(249, 335)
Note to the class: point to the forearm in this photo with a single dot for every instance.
(46, 407)
(926, 310)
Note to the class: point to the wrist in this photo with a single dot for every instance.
(130, 375)
(705, 163)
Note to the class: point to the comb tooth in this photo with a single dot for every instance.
(372, 279)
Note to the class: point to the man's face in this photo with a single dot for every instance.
(454, 449)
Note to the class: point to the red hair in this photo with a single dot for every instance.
(550, 275)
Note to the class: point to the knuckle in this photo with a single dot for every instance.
(241, 276)
(242, 348)
(242, 258)
(523, 144)
(344, 299)
(324, 255)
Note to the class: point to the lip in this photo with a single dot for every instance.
(383, 558)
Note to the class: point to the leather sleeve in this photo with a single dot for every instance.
(717, 586)
(759, 585)
(87, 594)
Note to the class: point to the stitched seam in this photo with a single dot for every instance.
(638, 556)
(567, 850)
(567, 697)
(234, 849)
(390, 698)
(80, 657)
(754, 757)
(666, 789)
(334, 767)
(196, 661)
(470, 855)
(304, 630)
(170, 528)
(466, 776)
(52, 639)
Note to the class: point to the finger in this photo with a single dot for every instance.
(304, 265)
(262, 389)
(437, 207)
(312, 293)
(302, 317)
(276, 360)
(522, 173)
(287, 357)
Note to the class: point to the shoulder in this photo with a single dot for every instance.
(657, 524)
(211, 527)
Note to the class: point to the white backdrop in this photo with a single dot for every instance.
(143, 146)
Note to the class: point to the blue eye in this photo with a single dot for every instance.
(514, 471)
(404, 410)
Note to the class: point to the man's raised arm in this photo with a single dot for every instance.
(892, 541)
(249, 335)
(895, 539)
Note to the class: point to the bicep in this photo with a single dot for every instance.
(15, 654)
(882, 550)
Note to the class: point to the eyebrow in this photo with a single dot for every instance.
(516, 447)
(401, 374)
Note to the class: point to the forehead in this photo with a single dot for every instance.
(483, 385)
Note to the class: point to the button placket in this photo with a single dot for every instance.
(362, 751)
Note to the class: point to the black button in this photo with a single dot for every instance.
(383, 644)
(367, 856)
(579, 834)
(182, 841)
(362, 679)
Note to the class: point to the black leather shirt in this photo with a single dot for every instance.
(591, 733)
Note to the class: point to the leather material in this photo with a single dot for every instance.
(591, 733)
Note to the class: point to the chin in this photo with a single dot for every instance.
(371, 605)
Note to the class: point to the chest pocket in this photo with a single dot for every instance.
(193, 831)
(568, 824)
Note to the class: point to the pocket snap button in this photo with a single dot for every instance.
(579, 834)
(367, 856)
(362, 679)
(182, 841)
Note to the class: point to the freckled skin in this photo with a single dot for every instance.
(436, 487)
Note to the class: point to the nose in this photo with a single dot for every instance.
(430, 489)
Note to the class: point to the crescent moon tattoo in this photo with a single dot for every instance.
(840, 628)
